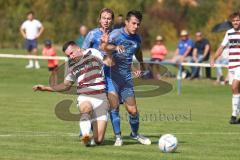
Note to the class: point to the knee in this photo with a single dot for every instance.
(133, 111)
(113, 100)
(234, 89)
(85, 107)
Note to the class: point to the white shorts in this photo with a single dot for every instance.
(100, 105)
(234, 74)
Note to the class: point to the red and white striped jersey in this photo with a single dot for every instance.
(232, 40)
(88, 73)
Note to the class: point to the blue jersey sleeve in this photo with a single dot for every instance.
(112, 37)
(88, 41)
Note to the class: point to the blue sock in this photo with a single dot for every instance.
(115, 119)
(134, 123)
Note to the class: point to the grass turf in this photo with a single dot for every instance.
(29, 128)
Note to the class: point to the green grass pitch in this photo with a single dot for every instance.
(30, 130)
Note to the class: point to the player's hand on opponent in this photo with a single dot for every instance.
(120, 49)
(39, 87)
(104, 38)
(103, 41)
(137, 73)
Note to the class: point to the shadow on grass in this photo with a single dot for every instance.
(128, 141)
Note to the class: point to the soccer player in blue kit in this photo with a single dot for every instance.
(92, 40)
(120, 72)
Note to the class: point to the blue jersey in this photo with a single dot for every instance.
(183, 45)
(122, 68)
(92, 39)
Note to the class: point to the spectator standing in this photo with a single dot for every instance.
(83, 30)
(31, 30)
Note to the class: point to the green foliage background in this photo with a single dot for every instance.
(61, 18)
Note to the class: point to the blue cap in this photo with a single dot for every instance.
(48, 42)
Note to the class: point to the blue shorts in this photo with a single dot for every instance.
(31, 44)
(124, 89)
(116, 84)
(108, 79)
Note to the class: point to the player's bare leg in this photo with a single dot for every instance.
(85, 122)
(130, 104)
(114, 108)
(235, 102)
(35, 52)
(30, 63)
(99, 129)
(115, 118)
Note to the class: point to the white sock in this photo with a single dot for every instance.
(238, 108)
(36, 63)
(30, 63)
(235, 104)
(85, 127)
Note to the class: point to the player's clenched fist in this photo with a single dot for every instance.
(39, 87)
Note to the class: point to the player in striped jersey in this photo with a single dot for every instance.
(86, 70)
(232, 39)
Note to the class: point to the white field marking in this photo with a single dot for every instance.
(39, 135)
(146, 60)
(31, 57)
(5, 135)
(52, 134)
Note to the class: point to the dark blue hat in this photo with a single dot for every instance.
(48, 42)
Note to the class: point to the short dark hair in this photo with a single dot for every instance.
(134, 13)
(233, 15)
(30, 12)
(48, 42)
(108, 10)
(66, 44)
(120, 15)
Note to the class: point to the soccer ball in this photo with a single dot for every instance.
(167, 143)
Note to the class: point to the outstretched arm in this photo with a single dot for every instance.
(65, 86)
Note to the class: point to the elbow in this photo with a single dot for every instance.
(67, 87)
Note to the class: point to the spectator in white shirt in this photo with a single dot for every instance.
(31, 29)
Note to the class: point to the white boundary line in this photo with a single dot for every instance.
(32, 57)
(146, 60)
(48, 134)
